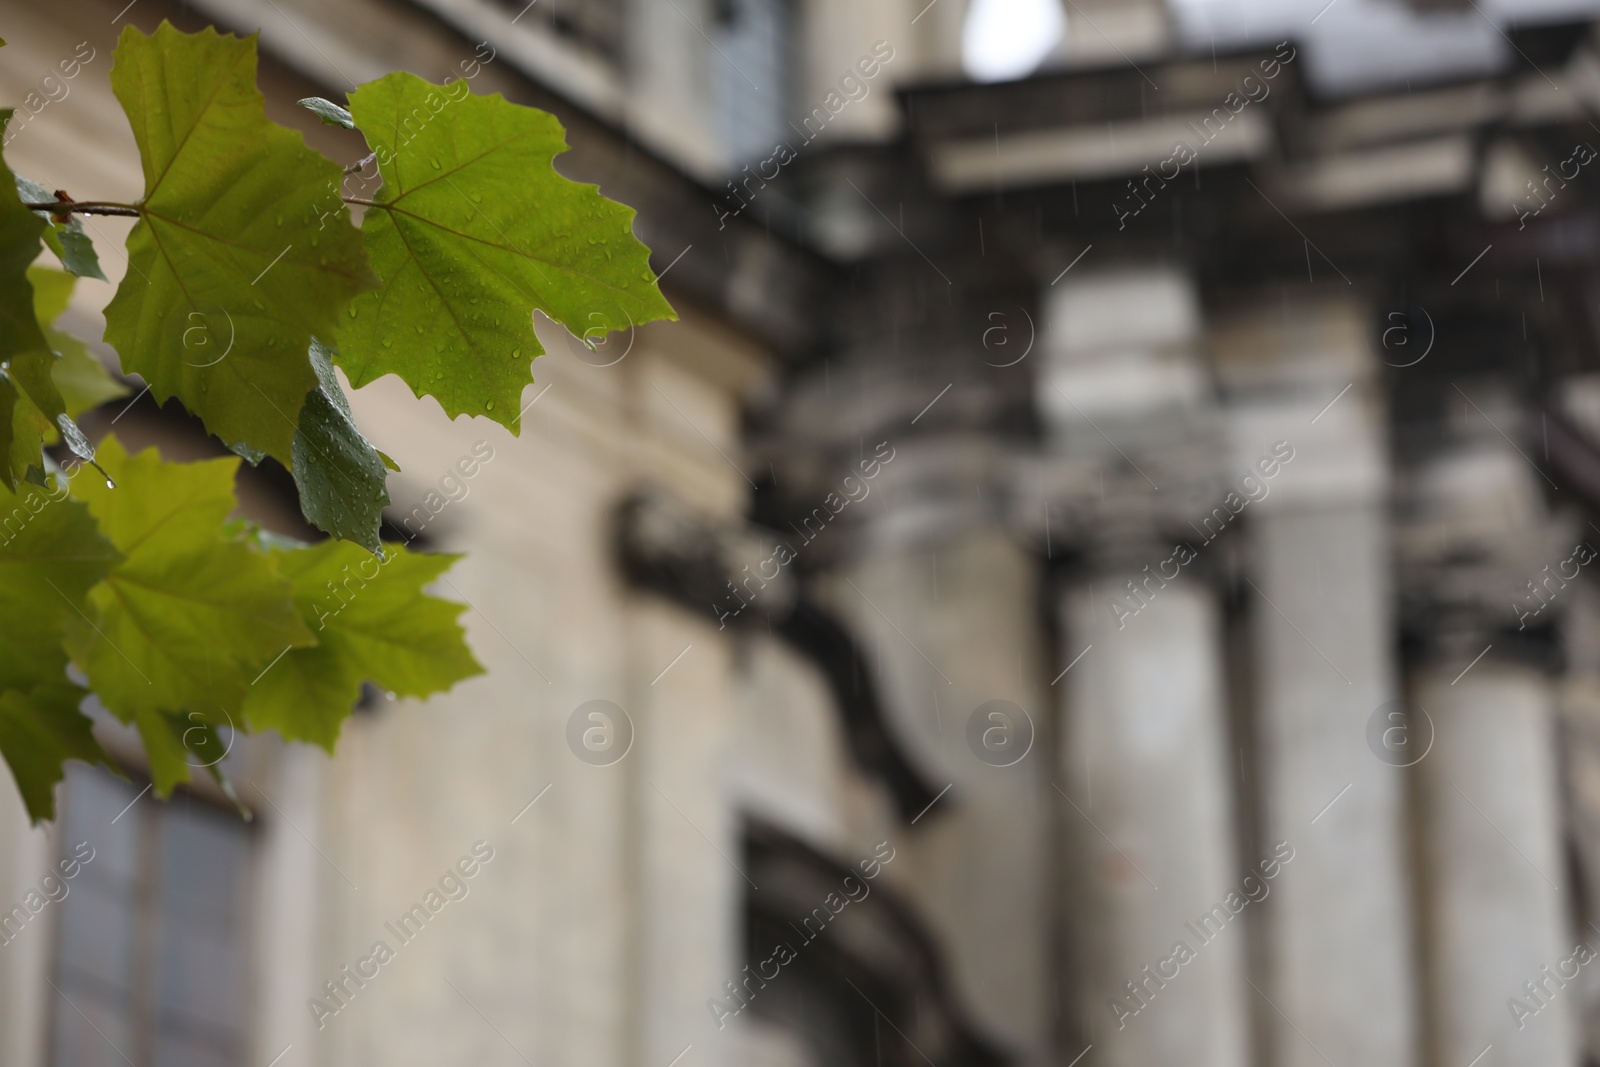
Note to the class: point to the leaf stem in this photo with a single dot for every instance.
(87, 207)
(360, 164)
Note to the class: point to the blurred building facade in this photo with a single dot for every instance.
(1056, 597)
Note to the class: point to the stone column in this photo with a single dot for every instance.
(1150, 813)
(1340, 939)
(292, 926)
(1504, 965)
(26, 856)
(689, 864)
(1340, 981)
(1579, 739)
(1146, 796)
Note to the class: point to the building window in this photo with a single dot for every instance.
(151, 941)
(753, 74)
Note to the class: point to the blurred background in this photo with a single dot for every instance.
(1099, 574)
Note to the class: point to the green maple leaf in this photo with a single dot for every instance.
(472, 231)
(82, 379)
(51, 554)
(177, 745)
(373, 622)
(27, 405)
(22, 435)
(193, 611)
(39, 731)
(32, 409)
(32, 405)
(341, 478)
(20, 232)
(243, 250)
(66, 239)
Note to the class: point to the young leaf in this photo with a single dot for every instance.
(66, 239)
(373, 622)
(472, 231)
(231, 267)
(339, 475)
(82, 379)
(193, 612)
(330, 113)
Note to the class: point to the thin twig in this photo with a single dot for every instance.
(86, 207)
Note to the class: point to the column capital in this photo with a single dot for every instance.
(936, 489)
(1298, 367)
(1133, 441)
(1481, 558)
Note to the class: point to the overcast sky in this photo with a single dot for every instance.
(1356, 44)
